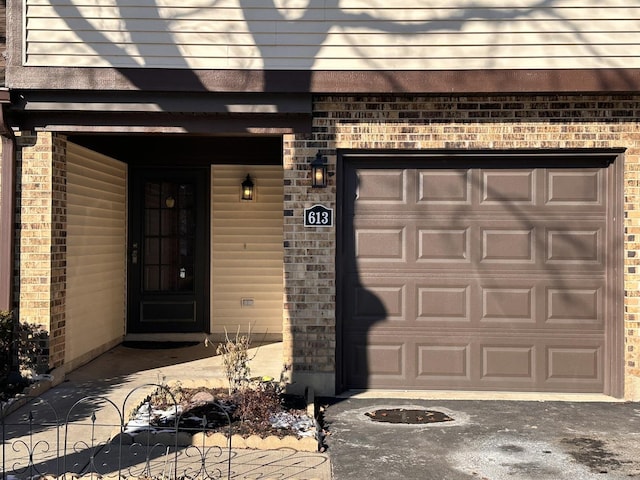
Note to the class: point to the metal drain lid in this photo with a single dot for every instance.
(408, 416)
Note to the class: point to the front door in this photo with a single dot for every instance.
(168, 255)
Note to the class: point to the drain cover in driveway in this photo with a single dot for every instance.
(414, 417)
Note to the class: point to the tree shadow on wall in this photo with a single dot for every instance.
(141, 51)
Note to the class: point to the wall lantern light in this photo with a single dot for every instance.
(319, 171)
(247, 189)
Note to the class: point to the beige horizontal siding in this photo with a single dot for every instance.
(356, 35)
(96, 251)
(246, 250)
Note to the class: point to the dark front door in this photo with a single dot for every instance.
(168, 258)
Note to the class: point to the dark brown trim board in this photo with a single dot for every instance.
(298, 81)
(7, 203)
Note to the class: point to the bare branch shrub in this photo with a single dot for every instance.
(235, 360)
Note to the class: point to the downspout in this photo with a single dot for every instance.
(7, 204)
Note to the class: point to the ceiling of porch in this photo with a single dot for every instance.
(185, 149)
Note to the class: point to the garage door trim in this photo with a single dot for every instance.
(613, 368)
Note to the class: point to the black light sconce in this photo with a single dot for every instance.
(247, 189)
(319, 171)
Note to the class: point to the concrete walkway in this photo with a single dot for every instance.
(88, 405)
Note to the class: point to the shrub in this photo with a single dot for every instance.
(20, 353)
(235, 360)
(6, 341)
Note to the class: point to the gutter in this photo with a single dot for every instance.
(7, 204)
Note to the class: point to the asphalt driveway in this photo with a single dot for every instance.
(485, 440)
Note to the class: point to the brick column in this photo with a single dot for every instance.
(41, 242)
(309, 270)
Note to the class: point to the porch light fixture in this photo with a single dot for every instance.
(247, 189)
(319, 171)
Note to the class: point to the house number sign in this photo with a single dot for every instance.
(318, 216)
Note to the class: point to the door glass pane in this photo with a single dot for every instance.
(169, 219)
(152, 222)
(152, 195)
(168, 278)
(152, 251)
(151, 278)
(168, 251)
(169, 222)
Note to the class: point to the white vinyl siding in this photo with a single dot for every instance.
(96, 252)
(247, 251)
(353, 35)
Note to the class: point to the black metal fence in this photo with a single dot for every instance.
(95, 438)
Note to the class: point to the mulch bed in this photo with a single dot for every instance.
(251, 412)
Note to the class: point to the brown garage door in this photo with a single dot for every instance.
(474, 275)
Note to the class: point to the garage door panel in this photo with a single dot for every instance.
(382, 301)
(508, 305)
(444, 245)
(482, 243)
(386, 360)
(507, 363)
(515, 187)
(576, 188)
(543, 303)
(571, 362)
(386, 187)
(468, 362)
(438, 362)
(552, 303)
(574, 305)
(444, 188)
(476, 278)
(482, 190)
(444, 304)
(575, 245)
(377, 301)
(375, 362)
(381, 244)
(508, 245)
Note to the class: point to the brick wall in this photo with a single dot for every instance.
(41, 241)
(58, 250)
(469, 122)
(309, 272)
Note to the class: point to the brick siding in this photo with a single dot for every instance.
(41, 241)
(443, 122)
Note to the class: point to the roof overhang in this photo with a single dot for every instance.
(160, 112)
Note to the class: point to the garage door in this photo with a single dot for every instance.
(471, 274)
